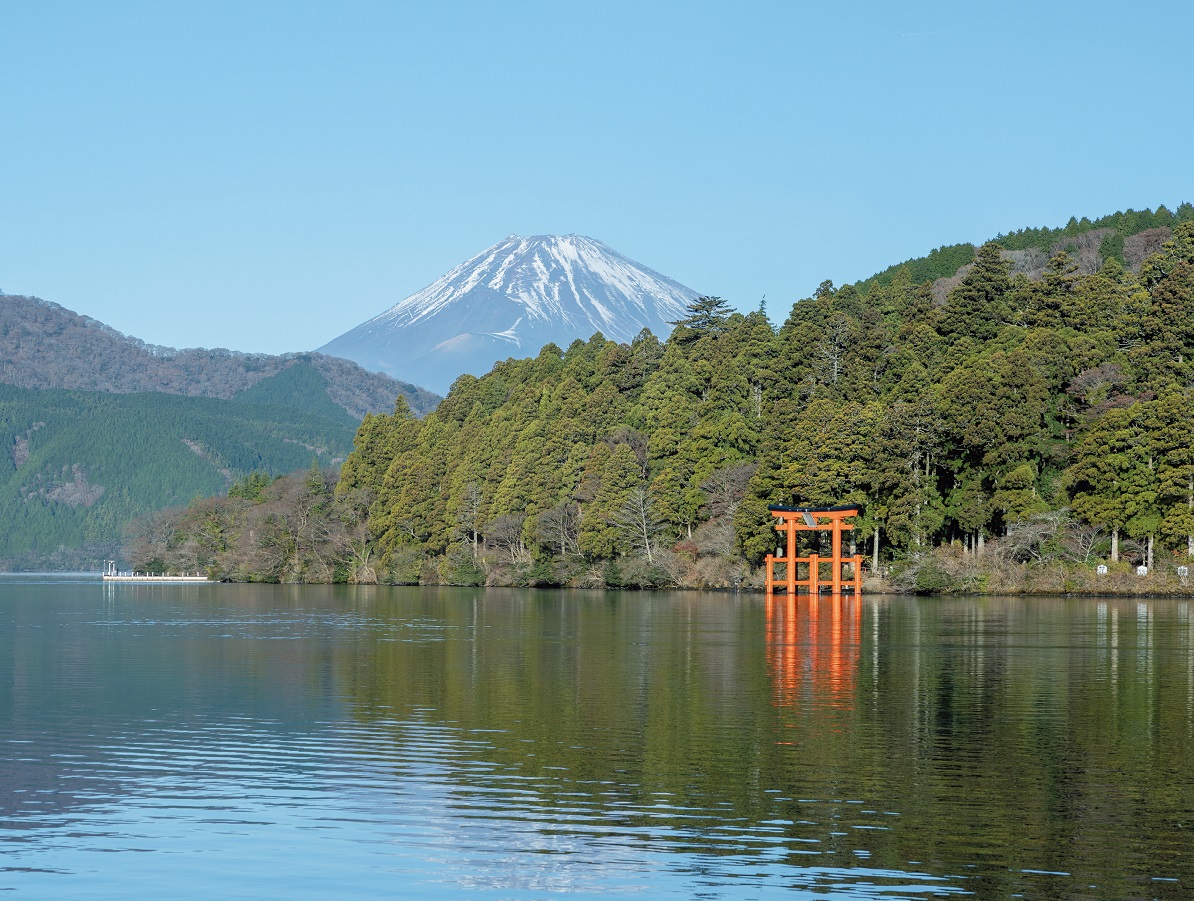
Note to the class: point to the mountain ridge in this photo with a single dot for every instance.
(46, 345)
(1128, 236)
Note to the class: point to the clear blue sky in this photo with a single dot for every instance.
(266, 175)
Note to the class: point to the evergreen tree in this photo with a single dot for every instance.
(1170, 421)
(978, 307)
(610, 478)
(1111, 480)
(703, 317)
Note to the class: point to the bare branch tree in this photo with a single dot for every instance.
(726, 488)
(469, 517)
(505, 533)
(558, 529)
(831, 349)
(1082, 541)
(1037, 538)
(638, 522)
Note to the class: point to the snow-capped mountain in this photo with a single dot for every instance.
(510, 300)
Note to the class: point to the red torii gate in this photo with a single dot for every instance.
(790, 521)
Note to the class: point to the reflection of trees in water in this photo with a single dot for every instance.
(971, 732)
(634, 709)
(1005, 734)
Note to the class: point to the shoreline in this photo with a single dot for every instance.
(1031, 583)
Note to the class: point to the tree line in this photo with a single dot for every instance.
(1029, 419)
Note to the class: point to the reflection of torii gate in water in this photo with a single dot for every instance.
(790, 521)
(814, 649)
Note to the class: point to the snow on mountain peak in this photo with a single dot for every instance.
(519, 294)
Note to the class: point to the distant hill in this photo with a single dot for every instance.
(44, 345)
(98, 429)
(510, 300)
(77, 466)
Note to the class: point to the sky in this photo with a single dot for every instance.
(264, 176)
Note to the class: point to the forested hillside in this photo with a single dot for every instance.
(43, 345)
(1128, 237)
(78, 466)
(1040, 420)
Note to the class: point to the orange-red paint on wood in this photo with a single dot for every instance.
(790, 521)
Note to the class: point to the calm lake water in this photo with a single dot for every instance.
(285, 742)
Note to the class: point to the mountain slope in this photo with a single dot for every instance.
(77, 466)
(44, 345)
(510, 300)
(147, 427)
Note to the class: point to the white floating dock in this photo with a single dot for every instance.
(142, 577)
(111, 574)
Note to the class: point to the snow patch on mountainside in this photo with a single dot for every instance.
(519, 294)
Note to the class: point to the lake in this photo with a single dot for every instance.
(249, 741)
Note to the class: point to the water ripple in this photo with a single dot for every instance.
(256, 744)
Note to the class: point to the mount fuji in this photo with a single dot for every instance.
(510, 300)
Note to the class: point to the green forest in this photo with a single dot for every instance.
(1009, 427)
(81, 465)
